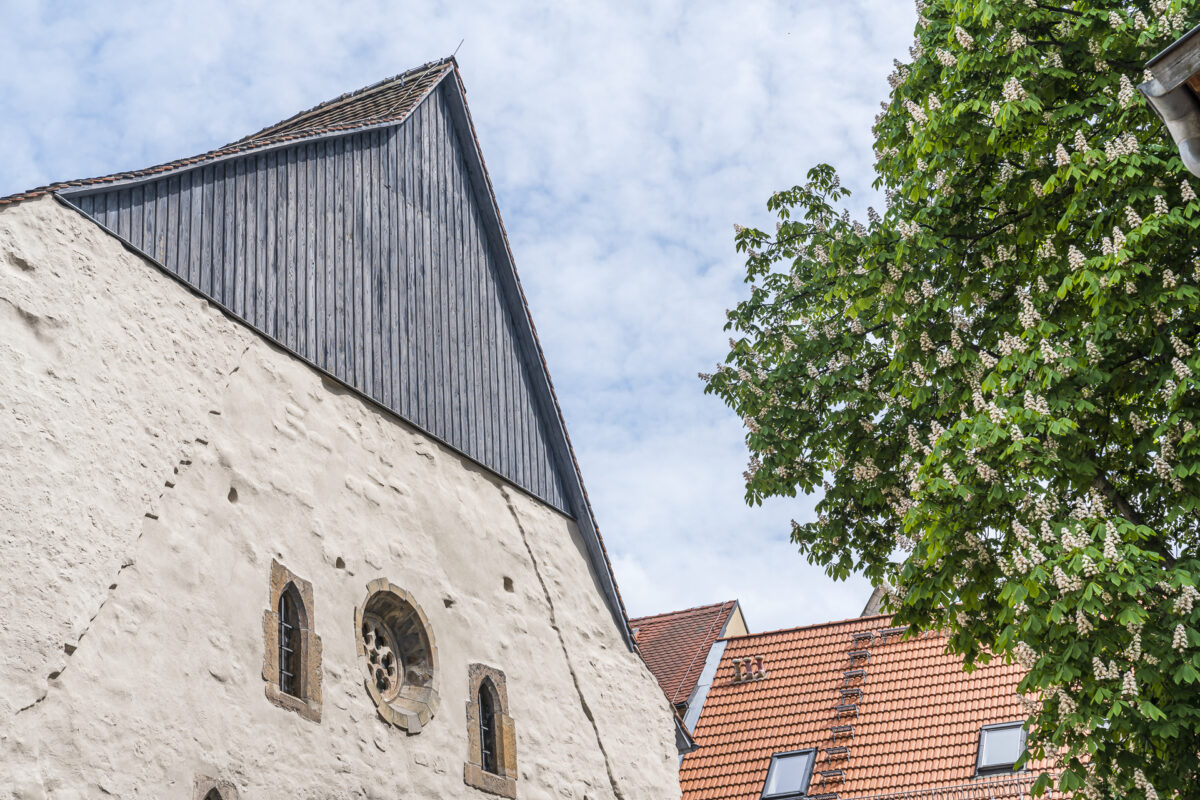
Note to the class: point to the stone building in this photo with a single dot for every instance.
(288, 508)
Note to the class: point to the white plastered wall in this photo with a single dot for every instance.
(134, 581)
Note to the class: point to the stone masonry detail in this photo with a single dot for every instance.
(503, 782)
(398, 656)
(308, 702)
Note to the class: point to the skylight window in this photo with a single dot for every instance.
(999, 747)
(789, 775)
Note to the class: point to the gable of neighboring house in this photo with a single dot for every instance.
(882, 716)
(676, 645)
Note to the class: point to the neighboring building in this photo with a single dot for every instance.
(854, 710)
(288, 505)
(676, 647)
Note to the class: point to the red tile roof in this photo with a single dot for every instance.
(675, 645)
(385, 102)
(914, 728)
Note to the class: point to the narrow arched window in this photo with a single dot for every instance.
(491, 734)
(289, 642)
(291, 647)
(487, 729)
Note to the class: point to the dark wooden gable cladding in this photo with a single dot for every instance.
(368, 255)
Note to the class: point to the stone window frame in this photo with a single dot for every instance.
(204, 785)
(308, 703)
(503, 782)
(413, 708)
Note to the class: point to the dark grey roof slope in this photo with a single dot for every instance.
(363, 235)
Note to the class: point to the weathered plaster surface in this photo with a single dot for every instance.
(135, 580)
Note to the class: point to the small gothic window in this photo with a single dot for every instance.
(291, 647)
(289, 642)
(491, 734)
(487, 728)
(213, 789)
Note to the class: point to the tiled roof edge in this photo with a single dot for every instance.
(680, 613)
(799, 628)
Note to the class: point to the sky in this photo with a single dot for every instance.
(624, 141)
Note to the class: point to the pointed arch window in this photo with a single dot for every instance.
(291, 647)
(491, 734)
(289, 641)
(206, 788)
(487, 727)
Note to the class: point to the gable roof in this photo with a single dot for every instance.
(915, 727)
(383, 107)
(675, 645)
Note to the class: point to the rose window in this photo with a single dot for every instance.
(398, 656)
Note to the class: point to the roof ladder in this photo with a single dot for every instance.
(863, 638)
(839, 753)
(886, 632)
(845, 710)
(832, 776)
(864, 655)
(854, 675)
(842, 732)
(851, 692)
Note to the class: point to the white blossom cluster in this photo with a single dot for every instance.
(1066, 583)
(1013, 91)
(1124, 145)
(964, 39)
(945, 57)
(1037, 403)
(1061, 157)
(1186, 600)
(1188, 193)
(1126, 93)
(1179, 639)
(1139, 778)
(1129, 687)
(1105, 672)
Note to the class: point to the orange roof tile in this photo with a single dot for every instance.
(914, 728)
(675, 645)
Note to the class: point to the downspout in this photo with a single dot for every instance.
(1172, 93)
(1180, 112)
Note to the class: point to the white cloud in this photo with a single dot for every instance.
(624, 140)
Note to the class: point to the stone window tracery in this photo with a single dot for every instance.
(398, 656)
(291, 647)
(206, 788)
(491, 734)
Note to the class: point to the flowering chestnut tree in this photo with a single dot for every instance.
(994, 383)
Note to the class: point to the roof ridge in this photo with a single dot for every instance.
(345, 97)
(683, 611)
(798, 628)
(267, 137)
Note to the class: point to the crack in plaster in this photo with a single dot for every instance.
(180, 467)
(587, 711)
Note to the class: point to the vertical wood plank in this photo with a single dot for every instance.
(149, 212)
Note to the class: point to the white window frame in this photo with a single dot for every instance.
(1007, 767)
(812, 761)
